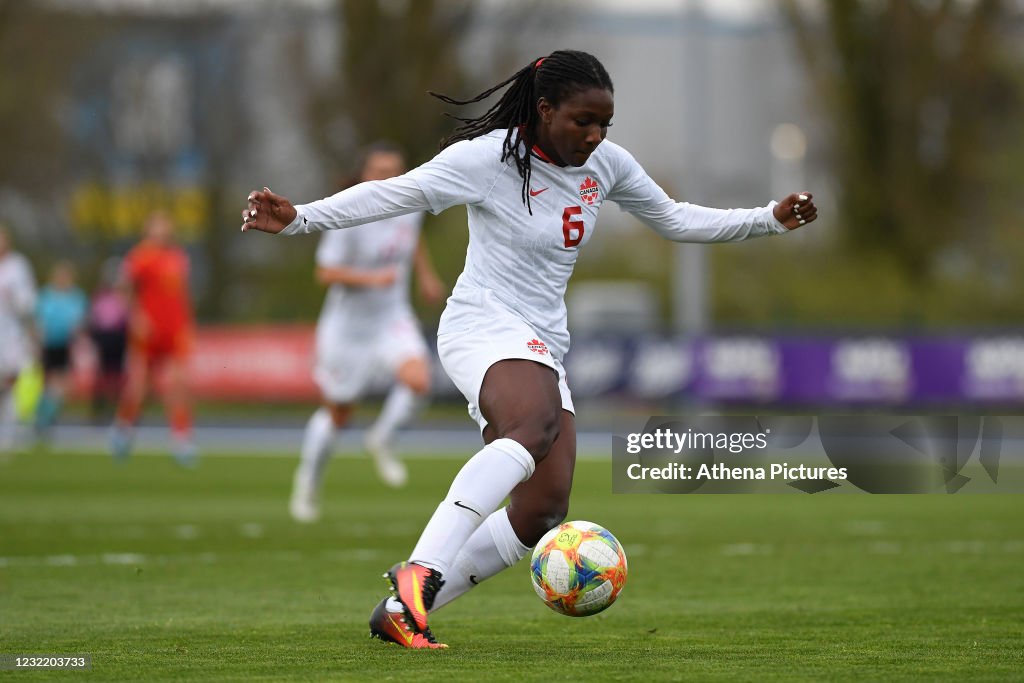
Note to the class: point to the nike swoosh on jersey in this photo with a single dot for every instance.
(459, 504)
(534, 193)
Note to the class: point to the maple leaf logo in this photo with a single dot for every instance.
(537, 346)
(589, 192)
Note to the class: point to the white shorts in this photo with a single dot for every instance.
(349, 361)
(467, 354)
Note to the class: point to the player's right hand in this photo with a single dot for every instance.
(267, 212)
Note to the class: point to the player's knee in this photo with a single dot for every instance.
(416, 376)
(134, 387)
(538, 435)
(340, 414)
(419, 384)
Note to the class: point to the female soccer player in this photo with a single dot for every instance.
(160, 331)
(366, 326)
(533, 172)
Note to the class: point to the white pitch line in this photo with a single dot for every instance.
(886, 548)
(459, 444)
(865, 527)
(1015, 547)
(135, 559)
(740, 549)
(252, 530)
(122, 558)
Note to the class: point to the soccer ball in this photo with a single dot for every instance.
(578, 569)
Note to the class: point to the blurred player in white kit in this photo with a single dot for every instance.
(17, 307)
(367, 327)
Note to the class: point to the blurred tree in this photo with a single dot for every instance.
(391, 54)
(921, 99)
(31, 84)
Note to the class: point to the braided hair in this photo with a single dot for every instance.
(559, 75)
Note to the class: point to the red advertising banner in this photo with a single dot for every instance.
(237, 363)
(254, 363)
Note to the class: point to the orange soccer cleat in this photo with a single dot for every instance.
(391, 628)
(415, 587)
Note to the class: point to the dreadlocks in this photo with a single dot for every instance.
(559, 75)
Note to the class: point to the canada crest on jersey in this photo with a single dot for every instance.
(589, 192)
(537, 346)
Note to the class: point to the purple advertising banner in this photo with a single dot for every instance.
(878, 370)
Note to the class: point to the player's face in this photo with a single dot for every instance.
(159, 228)
(570, 132)
(383, 165)
(63, 276)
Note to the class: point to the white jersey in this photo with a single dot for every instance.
(17, 305)
(523, 261)
(390, 243)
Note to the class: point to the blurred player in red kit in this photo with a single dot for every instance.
(160, 334)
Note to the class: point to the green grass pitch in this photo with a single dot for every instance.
(163, 574)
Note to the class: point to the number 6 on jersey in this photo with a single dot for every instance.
(569, 225)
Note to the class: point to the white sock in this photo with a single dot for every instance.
(492, 548)
(316, 447)
(8, 422)
(401, 405)
(477, 491)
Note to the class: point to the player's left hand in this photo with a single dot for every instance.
(267, 212)
(796, 209)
